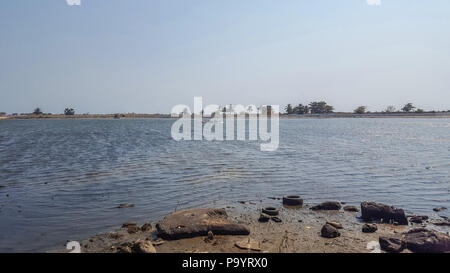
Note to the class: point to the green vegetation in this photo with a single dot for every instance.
(37, 111)
(409, 107)
(320, 107)
(360, 110)
(316, 107)
(302, 109)
(69, 112)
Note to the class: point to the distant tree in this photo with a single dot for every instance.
(420, 110)
(69, 112)
(289, 109)
(302, 109)
(320, 107)
(390, 109)
(408, 107)
(360, 110)
(37, 111)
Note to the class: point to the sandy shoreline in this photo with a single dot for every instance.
(298, 232)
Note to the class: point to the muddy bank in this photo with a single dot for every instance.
(284, 229)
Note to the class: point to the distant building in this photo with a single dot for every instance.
(2, 114)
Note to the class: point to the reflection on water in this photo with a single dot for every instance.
(61, 179)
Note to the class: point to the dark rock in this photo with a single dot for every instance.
(380, 212)
(426, 241)
(210, 235)
(418, 219)
(116, 235)
(264, 218)
(392, 244)
(328, 231)
(351, 209)
(442, 223)
(336, 225)
(123, 249)
(133, 229)
(143, 247)
(369, 228)
(198, 222)
(146, 227)
(327, 206)
(129, 224)
(439, 209)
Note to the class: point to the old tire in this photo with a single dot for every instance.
(292, 200)
(270, 211)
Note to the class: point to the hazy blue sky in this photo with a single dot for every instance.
(147, 55)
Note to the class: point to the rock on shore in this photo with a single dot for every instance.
(373, 211)
(327, 206)
(329, 231)
(198, 222)
(427, 241)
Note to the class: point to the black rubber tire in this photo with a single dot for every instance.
(292, 200)
(270, 211)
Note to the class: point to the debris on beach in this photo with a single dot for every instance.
(276, 219)
(263, 218)
(336, 225)
(249, 244)
(270, 211)
(198, 222)
(125, 205)
(292, 200)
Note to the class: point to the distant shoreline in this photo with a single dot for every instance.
(283, 116)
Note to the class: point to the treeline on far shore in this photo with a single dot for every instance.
(69, 113)
(322, 107)
(312, 109)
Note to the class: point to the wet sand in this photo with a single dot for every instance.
(299, 232)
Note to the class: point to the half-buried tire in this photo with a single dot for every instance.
(292, 200)
(270, 211)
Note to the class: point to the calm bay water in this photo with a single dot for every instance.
(61, 179)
